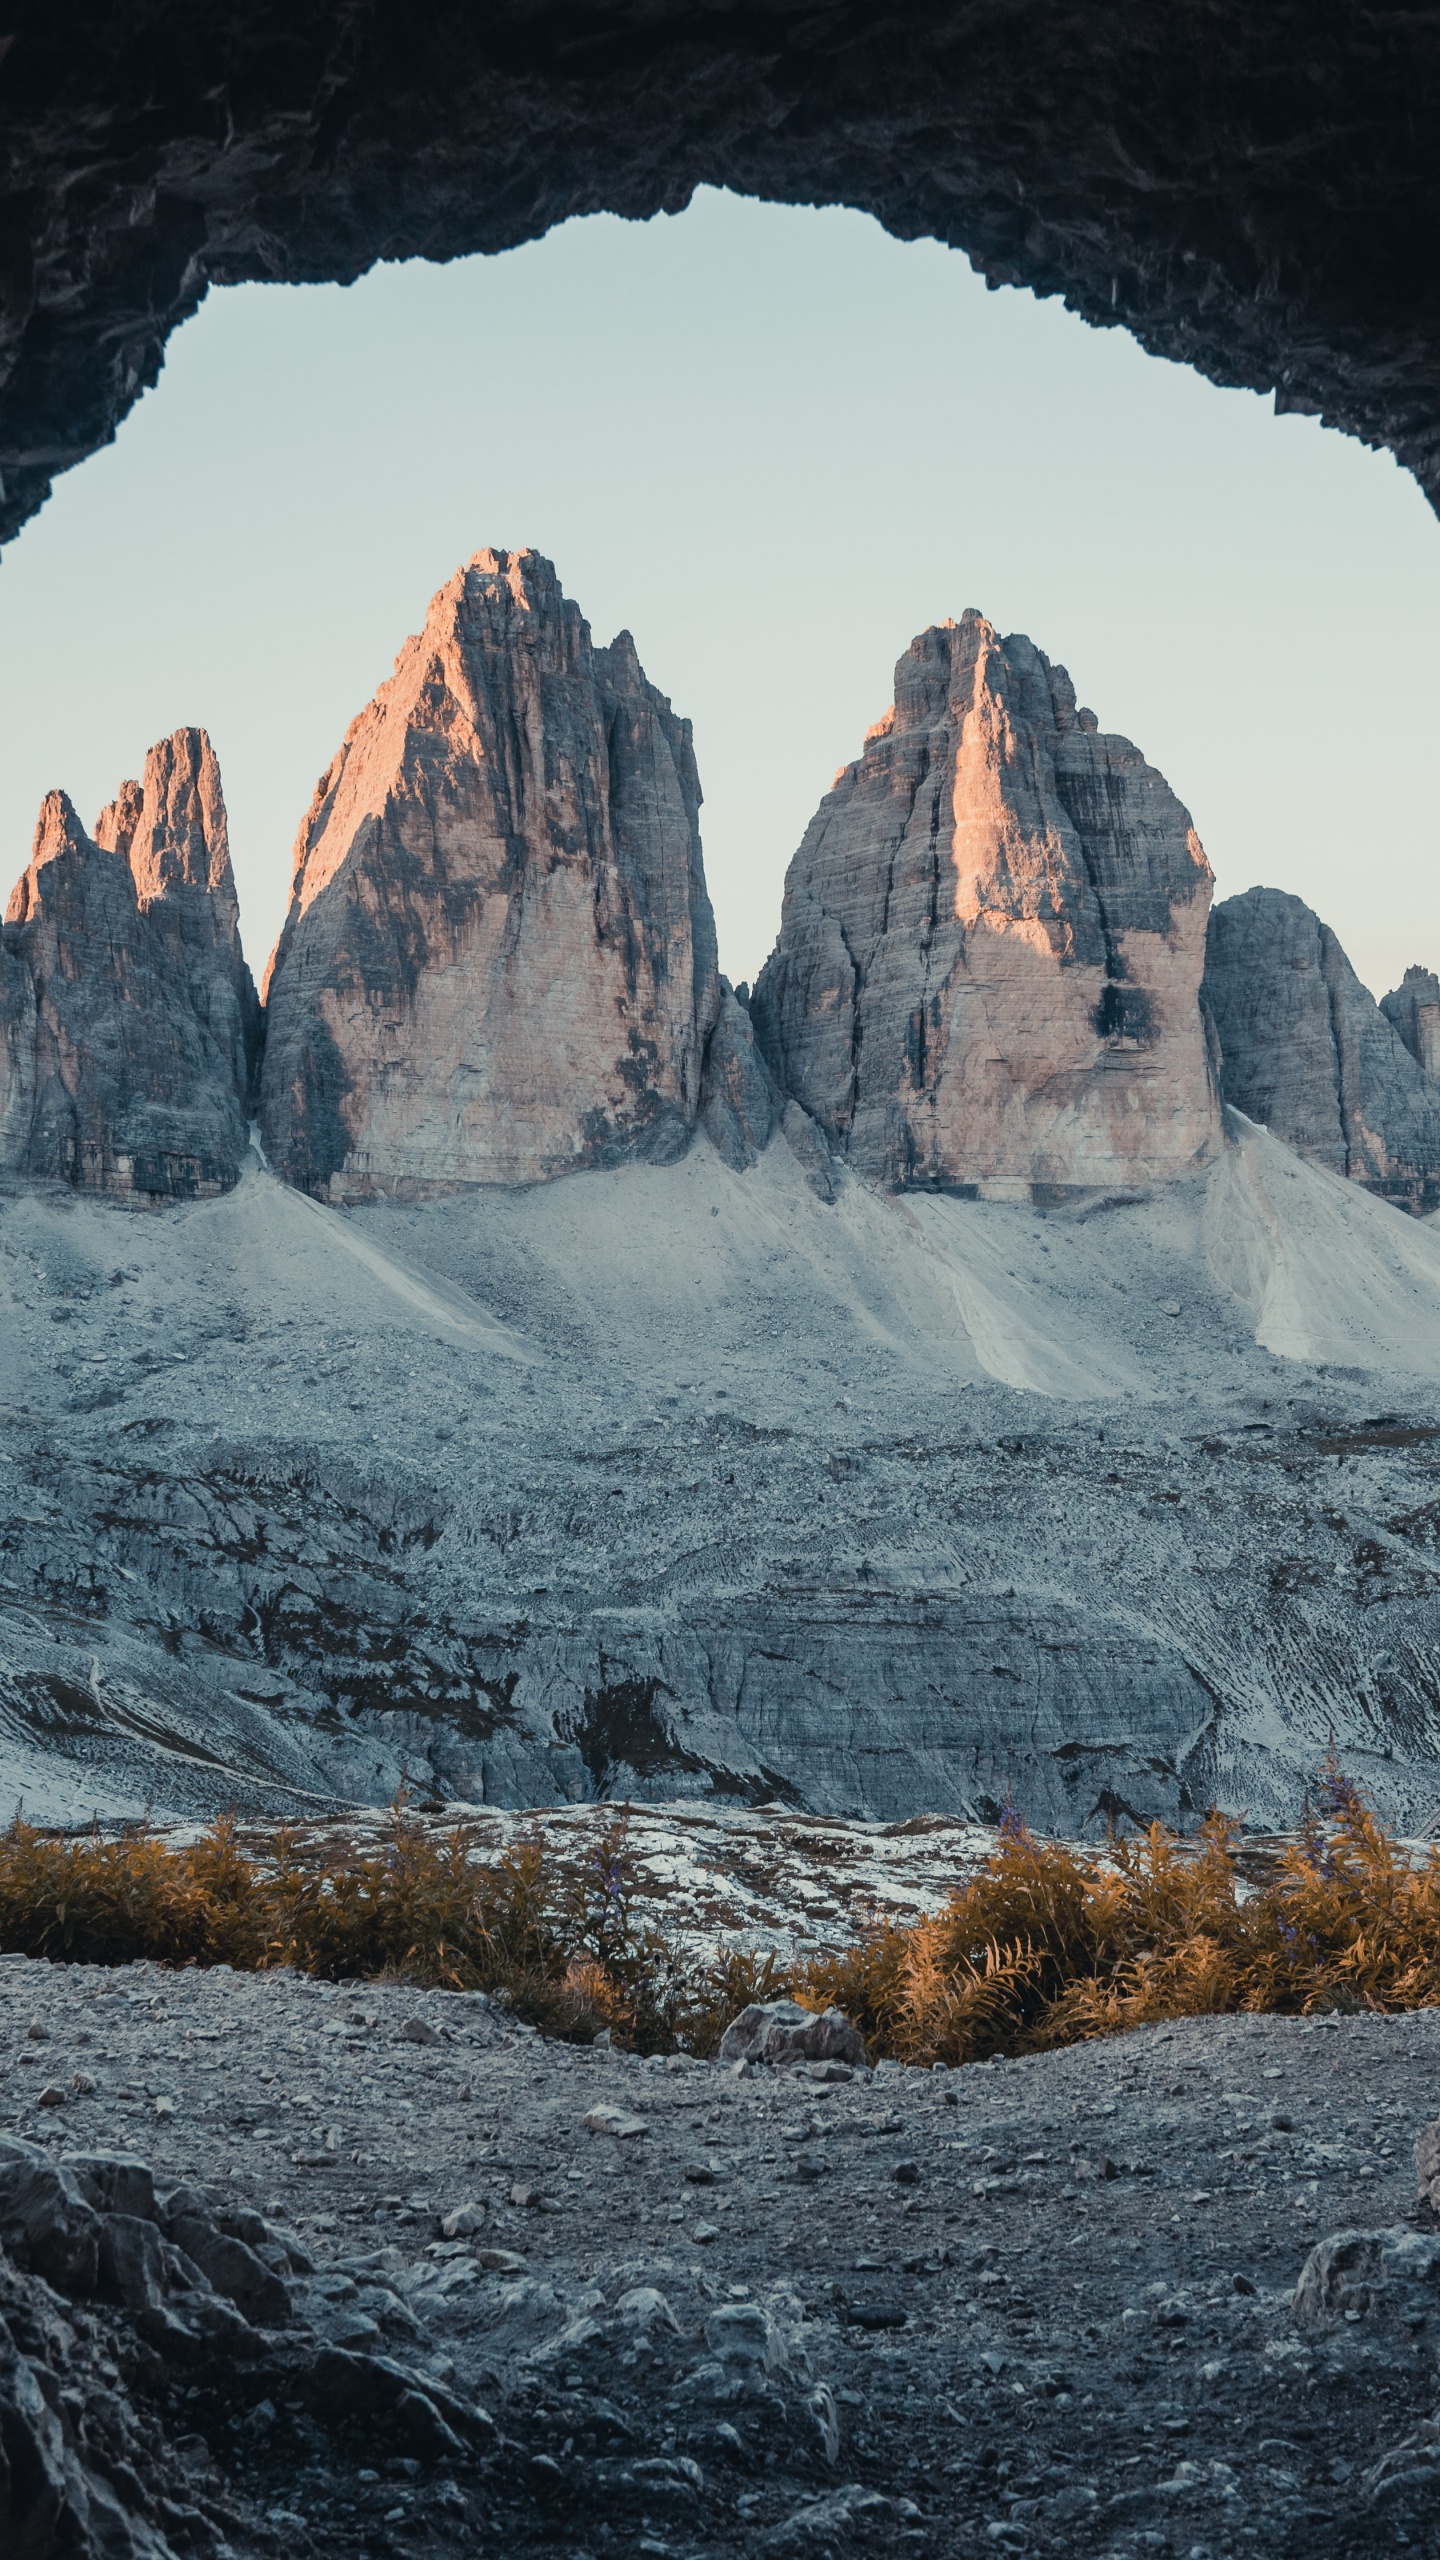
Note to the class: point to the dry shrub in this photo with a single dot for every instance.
(93, 1901)
(1046, 1946)
(1050, 1945)
(571, 1951)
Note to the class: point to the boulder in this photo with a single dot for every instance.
(127, 1067)
(134, 2267)
(1407, 2476)
(113, 2182)
(233, 2269)
(69, 2437)
(988, 971)
(1384, 2280)
(1307, 1052)
(45, 2222)
(499, 960)
(339, 2384)
(781, 2031)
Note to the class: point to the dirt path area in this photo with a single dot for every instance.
(1040, 2306)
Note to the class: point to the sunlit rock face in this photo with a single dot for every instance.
(499, 961)
(990, 951)
(131, 1023)
(1307, 1051)
(1413, 1009)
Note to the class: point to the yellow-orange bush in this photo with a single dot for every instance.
(566, 1947)
(1047, 1945)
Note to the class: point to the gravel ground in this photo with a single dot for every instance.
(1038, 2306)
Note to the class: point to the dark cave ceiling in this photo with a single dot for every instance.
(1249, 190)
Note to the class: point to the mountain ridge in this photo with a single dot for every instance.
(993, 973)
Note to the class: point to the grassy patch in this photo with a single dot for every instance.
(1047, 1945)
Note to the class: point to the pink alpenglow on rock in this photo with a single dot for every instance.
(992, 941)
(129, 1024)
(499, 962)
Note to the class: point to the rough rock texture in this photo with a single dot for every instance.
(992, 939)
(141, 1018)
(499, 960)
(1414, 1009)
(1058, 2307)
(667, 1483)
(781, 2032)
(740, 1107)
(1253, 192)
(1308, 1052)
(17, 1056)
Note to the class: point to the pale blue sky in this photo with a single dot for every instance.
(775, 444)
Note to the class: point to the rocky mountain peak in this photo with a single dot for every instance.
(59, 838)
(172, 828)
(499, 962)
(1413, 1010)
(130, 1024)
(115, 827)
(992, 939)
(1309, 1054)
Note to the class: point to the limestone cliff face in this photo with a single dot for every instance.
(990, 952)
(1413, 1009)
(740, 1107)
(499, 961)
(17, 1057)
(1309, 1053)
(131, 1020)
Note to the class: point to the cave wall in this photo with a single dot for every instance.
(1252, 192)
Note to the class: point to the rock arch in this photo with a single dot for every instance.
(1251, 191)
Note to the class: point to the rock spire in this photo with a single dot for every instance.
(1308, 1052)
(499, 962)
(990, 953)
(128, 1021)
(1413, 1009)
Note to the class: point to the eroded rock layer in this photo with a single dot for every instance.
(499, 960)
(1309, 1053)
(129, 1018)
(992, 940)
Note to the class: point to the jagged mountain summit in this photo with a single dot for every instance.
(499, 962)
(719, 1471)
(1414, 1010)
(1308, 1052)
(129, 1018)
(988, 970)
